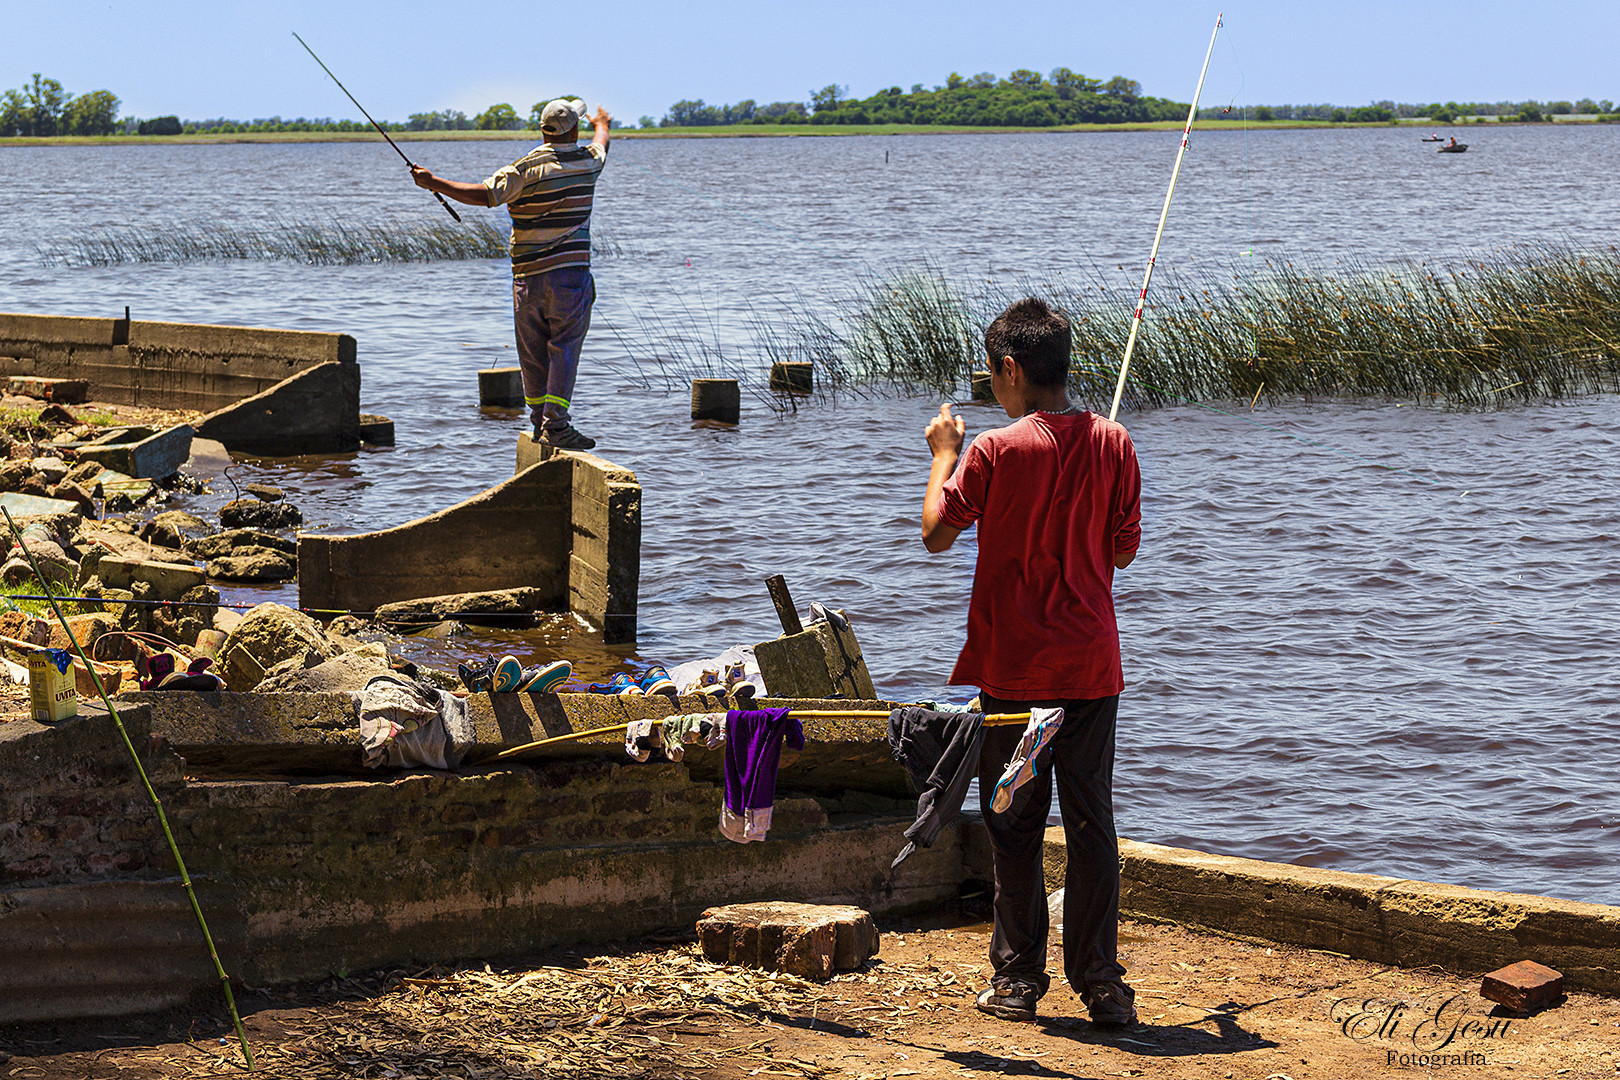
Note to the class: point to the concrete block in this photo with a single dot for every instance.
(716, 399)
(168, 581)
(501, 386)
(376, 430)
(792, 377)
(156, 455)
(981, 390)
(314, 411)
(808, 940)
(22, 505)
(503, 607)
(823, 661)
(61, 391)
(1524, 986)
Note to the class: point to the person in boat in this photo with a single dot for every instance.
(1453, 141)
(1059, 494)
(548, 192)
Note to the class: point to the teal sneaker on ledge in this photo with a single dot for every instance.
(657, 681)
(508, 675)
(546, 677)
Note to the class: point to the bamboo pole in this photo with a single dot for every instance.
(991, 720)
(1164, 215)
(140, 770)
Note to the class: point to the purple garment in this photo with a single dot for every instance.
(753, 752)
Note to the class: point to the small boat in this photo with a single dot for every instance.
(1454, 148)
(1434, 138)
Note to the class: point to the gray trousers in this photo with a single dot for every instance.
(1081, 759)
(552, 312)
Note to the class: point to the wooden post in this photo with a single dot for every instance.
(716, 399)
(785, 610)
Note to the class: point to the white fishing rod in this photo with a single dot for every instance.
(1141, 301)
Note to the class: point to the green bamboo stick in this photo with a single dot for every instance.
(163, 818)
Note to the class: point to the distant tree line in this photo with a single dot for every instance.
(42, 107)
(1023, 99)
(1441, 113)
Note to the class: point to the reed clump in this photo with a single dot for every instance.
(1531, 324)
(326, 243)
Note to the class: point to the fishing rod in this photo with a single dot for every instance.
(447, 207)
(1141, 301)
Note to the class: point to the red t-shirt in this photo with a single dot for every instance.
(1054, 496)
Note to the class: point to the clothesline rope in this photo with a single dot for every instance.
(991, 720)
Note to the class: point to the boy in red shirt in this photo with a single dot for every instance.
(1057, 496)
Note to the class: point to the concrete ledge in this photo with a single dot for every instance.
(1366, 916)
(515, 535)
(312, 412)
(164, 365)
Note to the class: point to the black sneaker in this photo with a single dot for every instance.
(477, 675)
(566, 439)
(1111, 1004)
(1016, 1003)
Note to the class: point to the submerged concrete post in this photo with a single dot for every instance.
(502, 386)
(792, 377)
(716, 399)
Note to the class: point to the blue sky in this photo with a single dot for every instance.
(239, 60)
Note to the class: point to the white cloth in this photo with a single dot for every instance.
(1043, 724)
(684, 674)
(639, 737)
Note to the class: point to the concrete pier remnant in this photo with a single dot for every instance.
(141, 452)
(821, 660)
(204, 368)
(502, 386)
(793, 377)
(566, 525)
(716, 399)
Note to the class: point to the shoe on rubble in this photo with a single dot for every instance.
(655, 680)
(1017, 1003)
(508, 675)
(1111, 1004)
(476, 675)
(545, 678)
(566, 439)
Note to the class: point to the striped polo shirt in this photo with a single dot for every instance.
(548, 193)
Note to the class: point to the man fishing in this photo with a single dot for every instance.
(548, 192)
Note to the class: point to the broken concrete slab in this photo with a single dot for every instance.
(811, 941)
(168, 581)
(499, 607)
(22, 505)
(821, 661)
(224, 543)
(156, 456)
(66, 391)
(313, 412)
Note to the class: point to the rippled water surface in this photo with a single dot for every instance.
(1360, 634)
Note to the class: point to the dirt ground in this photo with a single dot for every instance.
(1209, 1007)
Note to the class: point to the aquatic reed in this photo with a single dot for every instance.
(1529, 324)
(326, 243)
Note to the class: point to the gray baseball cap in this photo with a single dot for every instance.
(561, 115)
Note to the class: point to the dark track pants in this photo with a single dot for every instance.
(1081, 758)
(552, 314)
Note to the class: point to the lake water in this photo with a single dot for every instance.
(1360, 635)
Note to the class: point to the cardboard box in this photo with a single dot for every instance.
(52, 688)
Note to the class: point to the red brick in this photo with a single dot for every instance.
(1524, 986)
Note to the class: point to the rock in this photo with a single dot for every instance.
(167, 580)
(253, 564)
(13, 473)
(52, 469)
(345, 673)
(72, 391)
(267, 635)
(174, 528)
(264, 492)
(57, 414)
(808, 940)
(1524, 986)
(252, 514)
(78, 496)
(186, 621)
(227, 542)
(25, 627)
(84, 473)
(35, 485)
(53, 563)
(86, 628)
(226, 620)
